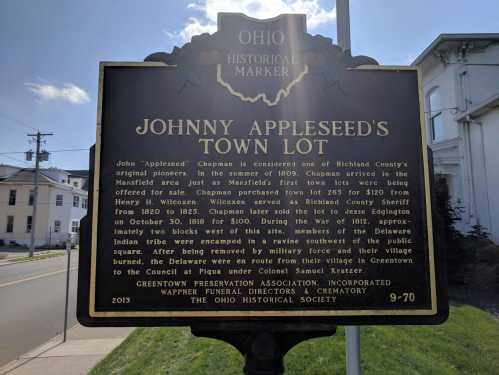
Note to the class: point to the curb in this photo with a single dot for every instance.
(8, 263)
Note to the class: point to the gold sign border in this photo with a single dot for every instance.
(281, 94)
(263, 313)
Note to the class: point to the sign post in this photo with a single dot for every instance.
(68, 270)
(352, 333)
(260, 187)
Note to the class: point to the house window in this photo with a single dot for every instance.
(75, 184)
(59, 200)
(29, 223)
(84, 203)
(436, 116)
(31, 198)
(76, 201)
(57, 226)
(10, 224)
(75, 226)
(12, 198)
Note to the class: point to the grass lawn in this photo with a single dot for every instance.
(468, 343)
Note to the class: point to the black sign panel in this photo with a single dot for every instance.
(260, 173)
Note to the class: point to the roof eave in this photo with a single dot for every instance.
(452, 37)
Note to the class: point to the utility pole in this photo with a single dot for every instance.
(352, 332)
(38, 158)
(343, 24)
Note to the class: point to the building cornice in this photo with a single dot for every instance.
(479, 109)
(447, 144)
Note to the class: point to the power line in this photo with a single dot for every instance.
(71, 149)
(62, 150)
(23, 124)
(442, 109)
(15, 128)
(16, 121)
(19, 160)
(64, 142)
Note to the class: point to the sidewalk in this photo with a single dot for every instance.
(84, 348)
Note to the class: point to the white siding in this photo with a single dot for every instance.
(483, 75)
(47, 212)
(468, 155)
(442, 79)
(60, 213)
(21, 210)
(490, 124)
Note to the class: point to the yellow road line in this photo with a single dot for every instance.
(35, 277)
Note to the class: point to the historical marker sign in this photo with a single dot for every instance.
(261, 173)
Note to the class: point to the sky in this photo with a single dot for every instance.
(50, 51)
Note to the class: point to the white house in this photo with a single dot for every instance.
(460, 74)
(62, 202)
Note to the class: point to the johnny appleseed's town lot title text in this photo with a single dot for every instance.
(214, 136)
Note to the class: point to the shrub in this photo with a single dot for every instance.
(479, 233)
(453, 242)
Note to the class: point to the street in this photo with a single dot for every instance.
(32, 296)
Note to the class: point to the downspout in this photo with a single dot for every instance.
(468, 157)
(485, 174)
(470, 172)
